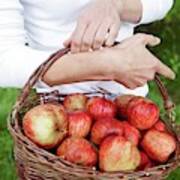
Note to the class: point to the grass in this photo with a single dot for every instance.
(7, 167)
(168, 30)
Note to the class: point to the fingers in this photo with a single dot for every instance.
(77, 37)
(113, 33)
(165, 71)
(88, 37)
(135, 83)
(92, 36)
(100, 36)
(140, 81)
(95, 35)
(131, 84)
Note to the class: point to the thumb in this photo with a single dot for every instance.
(140, 38)
(165, 71)
(148, 39)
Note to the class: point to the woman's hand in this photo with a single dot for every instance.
(129, 63)
(133, 65)
(98, 24)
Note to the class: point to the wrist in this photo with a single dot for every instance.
(112, 59)
(102, 64)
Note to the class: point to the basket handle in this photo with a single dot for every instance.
(42, 69)
(168, 104)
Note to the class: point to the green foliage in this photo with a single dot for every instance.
(169, 51)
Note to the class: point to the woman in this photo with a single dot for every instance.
(85, 26)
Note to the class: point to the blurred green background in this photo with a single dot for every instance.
(169, 51)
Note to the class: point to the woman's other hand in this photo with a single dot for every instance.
(100, 22)
(98, 25)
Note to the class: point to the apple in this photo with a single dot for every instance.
(158, 145)
(142, 113)
(46, 125)
(104, 127)
(79, 124)
(122, 104)
(160, 126)
(131, 133)
(145, 162)
(75, 102)
(78, 151)
(100, 107)
(118, 154)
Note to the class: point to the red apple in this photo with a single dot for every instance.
(78, 151)
(46, 125)
(118, 154)
(75, 102)
(160, 126)
(158, 145)
(122, 104)
(79, 124)
(142, 113)
(145, 161)
(131, 133)
(100, 107)
(105, 127)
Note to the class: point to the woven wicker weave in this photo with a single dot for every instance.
(34, 163)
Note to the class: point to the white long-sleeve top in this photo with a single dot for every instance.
(44, 25)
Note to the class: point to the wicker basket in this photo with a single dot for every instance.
(34, 163)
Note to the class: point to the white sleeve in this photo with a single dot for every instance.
(154, 10)
(17, 61)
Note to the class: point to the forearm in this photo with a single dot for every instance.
(129, 63)
(75, 67)
(130, 10)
